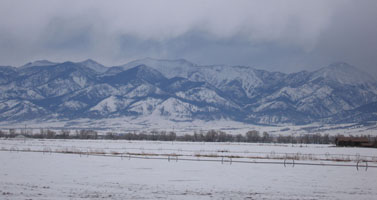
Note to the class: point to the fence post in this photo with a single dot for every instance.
(366, 165)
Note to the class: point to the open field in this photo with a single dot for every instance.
(126, 125)
(106, 169)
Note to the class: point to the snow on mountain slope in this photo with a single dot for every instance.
(294, 94)
(224, 76)
(142, 91)
(75, 74)
(178, 90)
(7, 74)
(220, 76)
(111, 105)
(136, 75)
(316, 100)
(145, 106)
(39, 63)
(94, 65)
(59, 87)
(13, 110)
(169, 68)
(273, 105)
(202, 95)
(72, 105)
(343, 73)
(13, 92)
(101, 90)
(90, 95)
(6, 105)
(175, 109)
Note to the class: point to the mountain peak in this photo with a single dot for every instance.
(149, 59)
(39, 63)
(146, 72)
(343, 73)
(159, 63)
(170, 68)
(88, 61)
(341, 66)
(93, 65)
(138, 73)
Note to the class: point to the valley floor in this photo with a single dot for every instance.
(102, 169)
(148, 124)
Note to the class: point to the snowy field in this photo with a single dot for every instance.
(124, 125)
(102, 169)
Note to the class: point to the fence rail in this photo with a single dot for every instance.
(286, 162)
(282, 154)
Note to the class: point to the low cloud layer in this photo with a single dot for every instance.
(276, 35)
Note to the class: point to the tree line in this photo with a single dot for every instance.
(252, 136)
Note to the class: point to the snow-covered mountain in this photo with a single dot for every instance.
(39, 63)
(89, 63)
(170, 68)
(343, 73)
(178, 90)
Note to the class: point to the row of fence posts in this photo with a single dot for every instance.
(223, 160)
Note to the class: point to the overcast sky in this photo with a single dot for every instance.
(282, 35)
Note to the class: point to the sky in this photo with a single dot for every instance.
(286, 36)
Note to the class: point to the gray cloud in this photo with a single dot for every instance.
(277, 35)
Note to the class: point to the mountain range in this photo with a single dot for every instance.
(178, 90)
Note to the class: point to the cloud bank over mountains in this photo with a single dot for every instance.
(281, 36)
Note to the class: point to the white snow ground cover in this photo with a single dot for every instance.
(107, 169)
(153, 123)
